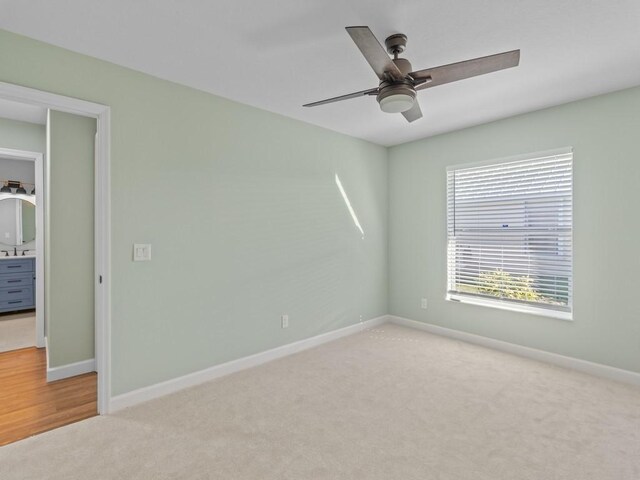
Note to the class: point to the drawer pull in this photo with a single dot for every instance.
(14, 266)
(14, 291)
(14, 281)
(15, 301)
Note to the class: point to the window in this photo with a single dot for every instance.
(509, 229)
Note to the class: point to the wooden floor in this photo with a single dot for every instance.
(29, 405)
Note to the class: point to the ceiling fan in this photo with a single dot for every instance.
(399, 85)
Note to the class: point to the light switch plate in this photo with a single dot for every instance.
(141, 252)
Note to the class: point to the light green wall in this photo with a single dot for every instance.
(243, 212)
(604, 133)
(69, 279)
(22, 135)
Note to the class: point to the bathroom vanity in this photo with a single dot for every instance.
(17, 283)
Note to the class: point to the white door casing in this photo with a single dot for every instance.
(102, 114)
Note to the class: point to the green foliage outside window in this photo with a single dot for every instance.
(499, 283)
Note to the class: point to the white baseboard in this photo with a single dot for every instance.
(144, 394)
(70, 370)
(597, 369)
(66, 371)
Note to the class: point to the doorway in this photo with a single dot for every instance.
(21, 241)
(99, 277)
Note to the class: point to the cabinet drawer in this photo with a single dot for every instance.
(17, 265)
(16, 293)
(17, 280)
(19, 304)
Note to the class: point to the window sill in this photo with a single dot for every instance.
(485, 302)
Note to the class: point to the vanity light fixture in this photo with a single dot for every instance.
(9, 185)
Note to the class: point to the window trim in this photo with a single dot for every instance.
(457, 297)
(511, 306)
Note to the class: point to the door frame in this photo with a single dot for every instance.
(102, 228)
(38, 164)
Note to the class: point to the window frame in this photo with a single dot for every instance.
(498, 303)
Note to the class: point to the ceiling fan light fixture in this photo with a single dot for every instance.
(396, 97)
(397, 103)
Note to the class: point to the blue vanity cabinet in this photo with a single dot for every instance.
(17, 284)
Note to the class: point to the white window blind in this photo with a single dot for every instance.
(509, 226)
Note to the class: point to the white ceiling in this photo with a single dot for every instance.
(279, 55)
(22, 112)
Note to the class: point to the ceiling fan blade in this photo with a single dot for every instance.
(469, 68)
(362, 93)
(374, 53)
(414, 113)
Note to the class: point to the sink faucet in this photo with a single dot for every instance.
(24, 252)
(6, 252)
(15, 252)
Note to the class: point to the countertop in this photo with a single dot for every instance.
(11, 257)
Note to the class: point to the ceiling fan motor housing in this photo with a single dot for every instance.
(395, 96)
(403, 65)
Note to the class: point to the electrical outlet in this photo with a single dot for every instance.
(285, 321)
(423, 304)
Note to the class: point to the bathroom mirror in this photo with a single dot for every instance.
(17, 221)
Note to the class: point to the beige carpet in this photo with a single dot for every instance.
(390, 403)
(17, 331)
